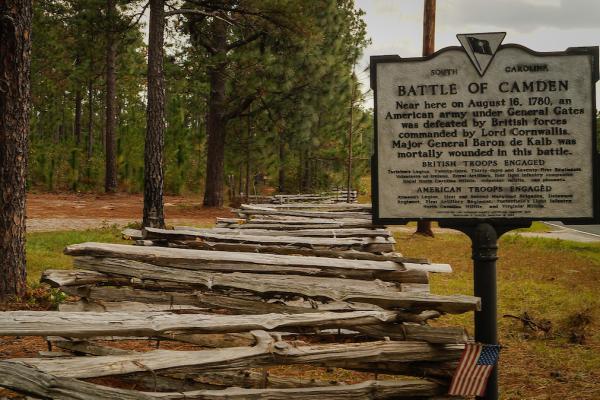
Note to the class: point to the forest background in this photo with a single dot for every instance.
(280, 75)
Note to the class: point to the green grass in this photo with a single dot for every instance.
(590, 251)
(45, 249)
(538, 227)
(550, 279)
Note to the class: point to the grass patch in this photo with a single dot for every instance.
(45, 249)
(549, 279)
(590, 251)
(536, 226)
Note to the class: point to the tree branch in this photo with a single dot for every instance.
(130, 24)
(242, 42)
(197, 12)
(242, 107)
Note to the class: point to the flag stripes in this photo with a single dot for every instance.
(474, 368)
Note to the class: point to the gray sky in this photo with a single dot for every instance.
(395, 26)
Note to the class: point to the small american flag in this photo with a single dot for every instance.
(474, 368)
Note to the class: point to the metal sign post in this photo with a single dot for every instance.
(484, 243)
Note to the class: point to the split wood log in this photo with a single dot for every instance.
(310, 286)
(365, 207)
(306, 214)
(376, 390)
(381, 243)
(252, 210)
(124, 306)
(330, 233)
(98, 296)
(152, 382)
(202, 260)
(266, 352)
(414, 287)
(249, 378)
(315, 223)
(53, 354)
(377, 292)
(30, 381)
(241, 378)
(438, 370)
(233, 302)
(252, 379)
(306, 220)
(429, 334)
(212, 340)
(67, 277)
(56, 276)
(284, 250)
(267, 263)
(90, 324)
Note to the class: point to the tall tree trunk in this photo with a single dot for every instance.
(110, 178)
(63, 123)
(248, 152)
(90, 122)
(15, 47)
(281, 180)
(78, 114)
(78, 106)
(300, 168)
(215, 121)
(350, 138)
(424, 227)
(155, 125)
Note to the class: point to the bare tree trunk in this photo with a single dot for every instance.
(424, 227)
(350, 137)
(110, 178)
(248, 152)
(155, 130)
(215, 124)
(15, 47)
(78, 114)
(90, 122)
(281, 180)
(78, 106)
(241, 182)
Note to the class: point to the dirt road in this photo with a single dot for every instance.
(51, 212)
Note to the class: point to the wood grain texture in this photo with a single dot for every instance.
(328, 233)
(298, 241)
(251, 210)
(265, 352)
(89, 324)
(30, 381)
(284, 250)
(379, 293)
(197, 259)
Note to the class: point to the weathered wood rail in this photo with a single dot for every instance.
(289, 283)
(332, 197)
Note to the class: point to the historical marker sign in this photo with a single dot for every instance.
(486, 132)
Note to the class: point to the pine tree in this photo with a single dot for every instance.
(153, 215)
(15, 47)
(110, 139)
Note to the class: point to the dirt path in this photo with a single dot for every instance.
(52, 212)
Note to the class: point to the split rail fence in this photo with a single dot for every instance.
(311, 285)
